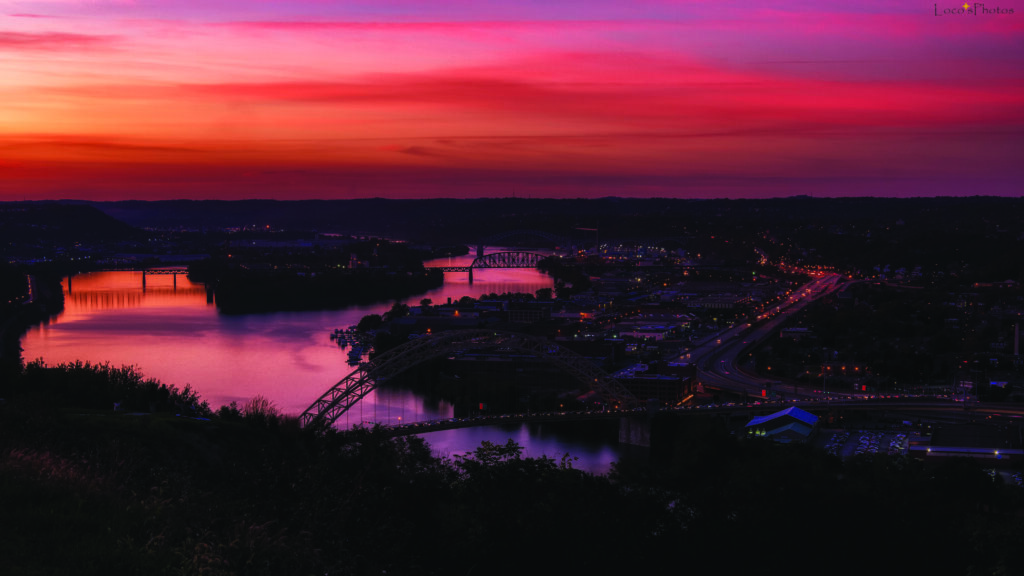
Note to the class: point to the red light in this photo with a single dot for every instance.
(764, 393)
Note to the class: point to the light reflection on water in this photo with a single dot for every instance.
(594, 454)
(171, 332)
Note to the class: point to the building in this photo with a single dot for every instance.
(789, 425)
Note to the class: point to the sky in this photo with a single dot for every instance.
(230, 99)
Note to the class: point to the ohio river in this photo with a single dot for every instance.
(173, 334)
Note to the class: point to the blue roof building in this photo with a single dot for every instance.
(789, 425)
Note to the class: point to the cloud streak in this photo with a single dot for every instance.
(53, 41)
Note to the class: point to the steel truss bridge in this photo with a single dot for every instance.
(369, 375)
(498, 260)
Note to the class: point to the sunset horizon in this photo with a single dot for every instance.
(115, 100)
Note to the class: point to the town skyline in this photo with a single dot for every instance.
(113, 100)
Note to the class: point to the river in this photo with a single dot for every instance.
(172, 333)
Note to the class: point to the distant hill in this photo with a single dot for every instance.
(60, 224)
(964, 237)
(456, 220)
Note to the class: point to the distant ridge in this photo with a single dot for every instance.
(447, 220)
(59, 222)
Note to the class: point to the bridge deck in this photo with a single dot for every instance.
(168, 271)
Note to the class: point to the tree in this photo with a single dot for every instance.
(230, 413)
(544, 294)
(369, 322)
(398, 310)
(426, 302)
(259, 407)
(490, 453)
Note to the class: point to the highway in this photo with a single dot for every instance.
(718, 360)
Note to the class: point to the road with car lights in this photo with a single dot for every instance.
(718, 359)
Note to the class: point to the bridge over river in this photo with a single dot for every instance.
(619, 402)
(172, 271)
(369, 375)
(513, 259)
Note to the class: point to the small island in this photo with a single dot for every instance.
(260, 276)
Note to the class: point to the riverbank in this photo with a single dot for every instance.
(47, 300)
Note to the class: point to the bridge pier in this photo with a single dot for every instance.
(172, 273)
(471, 275)
(635, 430)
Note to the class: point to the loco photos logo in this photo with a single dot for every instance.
(976, 9)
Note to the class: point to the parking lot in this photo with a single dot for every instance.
(849, 443)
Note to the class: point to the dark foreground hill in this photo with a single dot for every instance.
(166, 487)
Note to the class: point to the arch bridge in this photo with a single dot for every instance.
(369, 375)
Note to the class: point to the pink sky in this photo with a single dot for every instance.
(315, 99)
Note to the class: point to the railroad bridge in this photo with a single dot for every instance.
(498, 260)
(165, 271)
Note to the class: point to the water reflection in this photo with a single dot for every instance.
(592, 443)
(485, 281)
(171, 331)
(115, 290)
